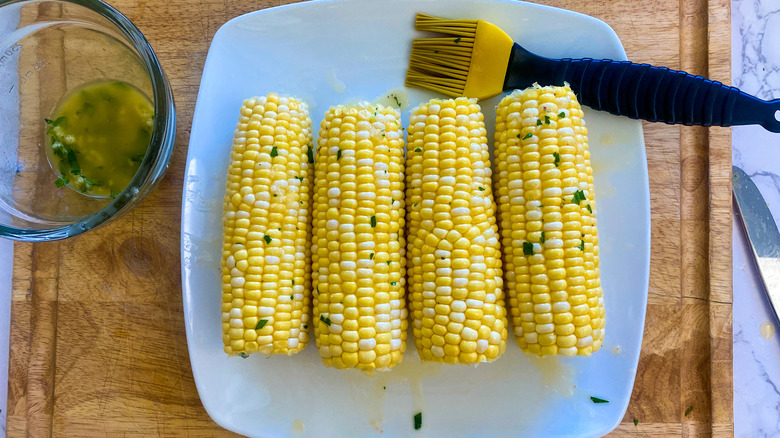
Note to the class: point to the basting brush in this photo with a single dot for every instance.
(478, 59)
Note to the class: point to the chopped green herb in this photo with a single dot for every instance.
(267, 238)
(598, 400)
(579, 196)
(392, 283)
(243, 355)
(589, 209)
(541, 238)
(528, 248)
(55, 122)
(305, 326)
(388, 262)
(274, 152)
(385, 388)
(310, 154)
(300, 202)
(415, 205)
(338, 155)
(275, 195)
(538, 122)
(373, 221)
(562, 114)
(263, 322)
(557, 157)
(73, 162)
(292, 296)
(457, 40)
(392, 201)
(481, 189)
(529, 135)
(418, 418)
(60, 182)
(582, 245)
(547, 119)
(688, 411)
(397, 102)
(417, 150)
(325, 320)
(636, 422)
(293, 282)
(371, 256)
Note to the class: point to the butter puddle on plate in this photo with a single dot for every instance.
(767, 330)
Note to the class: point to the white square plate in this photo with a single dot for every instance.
(332, 52)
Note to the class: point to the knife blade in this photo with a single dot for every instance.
(762, 233)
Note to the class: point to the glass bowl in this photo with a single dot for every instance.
(48, 48)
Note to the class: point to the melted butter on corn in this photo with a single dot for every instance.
(358, 244)
(547, 212)
(265, 254)
(455, 285)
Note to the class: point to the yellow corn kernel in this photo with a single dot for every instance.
(266, 277)
(453, 253)
(358, 245)
(547, 211)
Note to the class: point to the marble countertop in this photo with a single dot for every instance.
(755, 66)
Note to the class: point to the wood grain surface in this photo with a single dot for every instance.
(98, 345)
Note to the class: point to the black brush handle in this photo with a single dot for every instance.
(641, 91)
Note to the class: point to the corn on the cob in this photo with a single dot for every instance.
(265, 255)
(358, 244)
(548, 224)
(455, 284)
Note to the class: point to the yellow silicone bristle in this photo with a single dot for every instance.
(454, 259)
(266, 274)
(470, 61)
(442, 64)
(446, 86)
(544, 188)
(429, 23)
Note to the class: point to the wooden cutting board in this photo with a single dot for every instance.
(98, 346)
